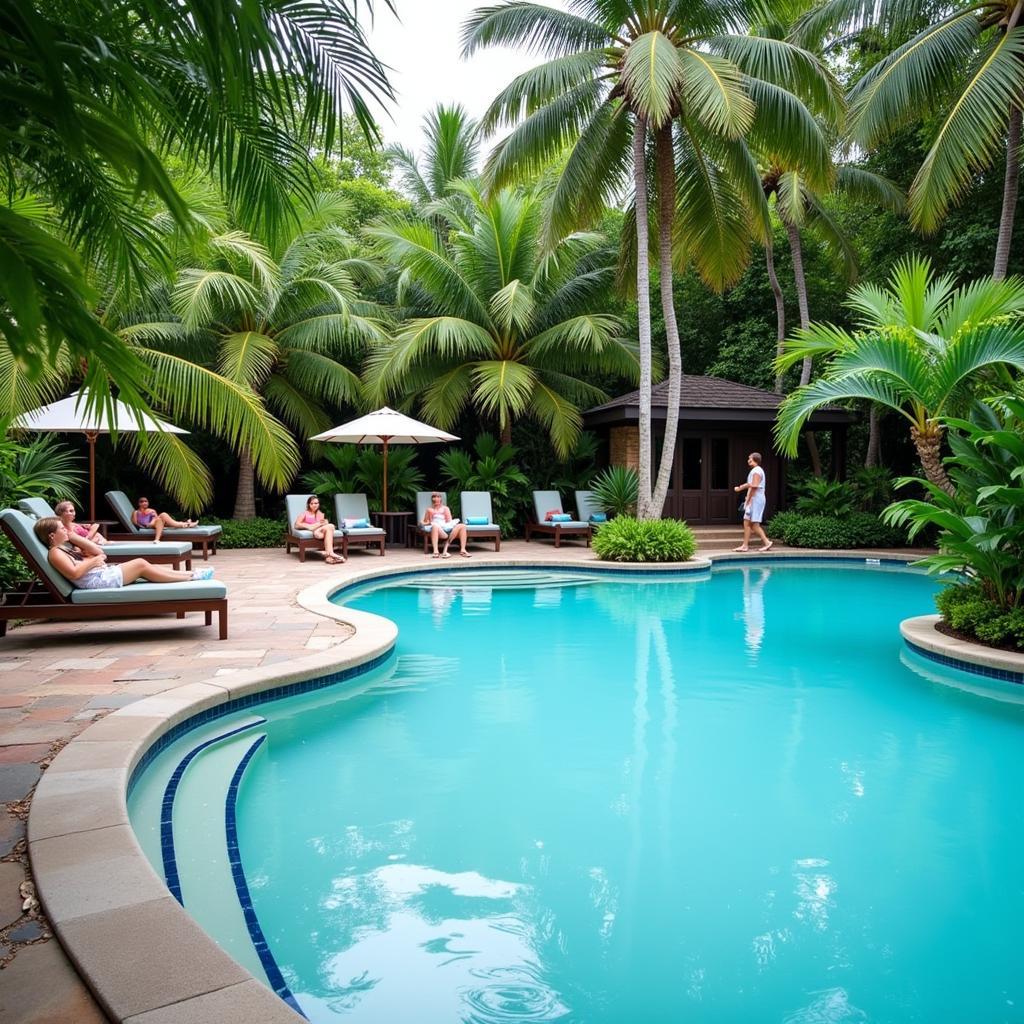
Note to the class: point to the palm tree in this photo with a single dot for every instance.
(242, 328)
(452, 150)
(510, 328)
(621, 75)
(921, 348)
(964, 70)
(95, 94)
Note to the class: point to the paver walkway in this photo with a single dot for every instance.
(57, 678)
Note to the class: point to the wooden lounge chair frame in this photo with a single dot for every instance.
(46, 602)
(556, 530)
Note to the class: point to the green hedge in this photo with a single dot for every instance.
(624, 539)
(12, 566)
(965, 608)
(855, 530)
(249, 533)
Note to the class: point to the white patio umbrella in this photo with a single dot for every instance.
(71, 415)
(385, 426)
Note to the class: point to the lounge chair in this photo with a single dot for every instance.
(422, 504)
(545, 502)
(295, 506)
(477, 505)
(587, 508)
(204, 537)
(354, 506)
(167, 552)
(57, 598)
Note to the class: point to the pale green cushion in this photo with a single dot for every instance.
(195, 590)
(122, 507)
(36, 508)
(364, 531)
(184, 533)
(145, 549)
(351, 506)
(302, 534)
(481, 527)
(21, 526)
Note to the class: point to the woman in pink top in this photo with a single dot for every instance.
(90, 531)
(316, 522)
(147, 518)
(439, 518)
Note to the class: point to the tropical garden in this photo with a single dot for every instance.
(201, 217)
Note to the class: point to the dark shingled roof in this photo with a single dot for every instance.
(704, 393)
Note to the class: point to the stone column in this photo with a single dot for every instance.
(624, 447)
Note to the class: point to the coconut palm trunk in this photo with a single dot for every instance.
(1010, 184)
(797, 250)
(780, 305)
(873, 457)
(245, 495)
(928, 443)
(666, 172)
(643, 303)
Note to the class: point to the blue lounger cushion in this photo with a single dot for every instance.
(477, 521)
(194, 590)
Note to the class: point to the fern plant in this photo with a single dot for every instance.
(356, 470)
(615, 491)
(490, 467)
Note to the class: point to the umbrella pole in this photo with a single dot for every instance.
(90, 436)
(385, 508)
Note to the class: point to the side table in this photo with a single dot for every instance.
(393, 524)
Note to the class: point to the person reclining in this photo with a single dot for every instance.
(90, 531)
(146, 518)
(84, 564)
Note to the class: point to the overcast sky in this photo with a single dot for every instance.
(423, 49)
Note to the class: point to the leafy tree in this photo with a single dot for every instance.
(358, 469)
(243, 331)
(619, 76)
(965, 69)
(489, 467)
(920, 348)
(509, 329)
(451, 153)
(88, 86)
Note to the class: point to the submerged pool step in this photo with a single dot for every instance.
(194, 839)
(503, 580)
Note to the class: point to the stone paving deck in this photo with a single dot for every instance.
(58, 678)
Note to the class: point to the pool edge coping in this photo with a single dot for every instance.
(921, 636)
(103, 941)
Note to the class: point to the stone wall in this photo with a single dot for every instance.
(624, 447)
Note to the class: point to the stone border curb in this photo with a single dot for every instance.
(920, 634)
(142, 956)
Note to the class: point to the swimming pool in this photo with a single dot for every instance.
(723, 797)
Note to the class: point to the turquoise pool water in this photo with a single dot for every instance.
(724, 798)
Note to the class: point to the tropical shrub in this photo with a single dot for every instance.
(855, 530)
(249, 533)
(40, 469)
(491, 470)
(826, 498)
(360, 470)
(625, 539)
(873, 486)
(615, 491)
(981, 523)
(965, 608)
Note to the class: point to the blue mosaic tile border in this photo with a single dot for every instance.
(1003, 674)
(248, 701)
(167, 807)
(258, 939)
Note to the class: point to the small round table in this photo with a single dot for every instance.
(394, 525)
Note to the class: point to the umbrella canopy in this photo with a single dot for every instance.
(385, 426)
(72, 415)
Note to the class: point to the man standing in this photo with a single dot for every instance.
(753, 505)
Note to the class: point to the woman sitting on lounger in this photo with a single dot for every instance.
(439, 517)
(84, 563)
(147, 518)
(317, 523)
(90, 531)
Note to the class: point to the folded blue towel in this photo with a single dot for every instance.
(477, 521)
(599, 517)
(561, 517)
